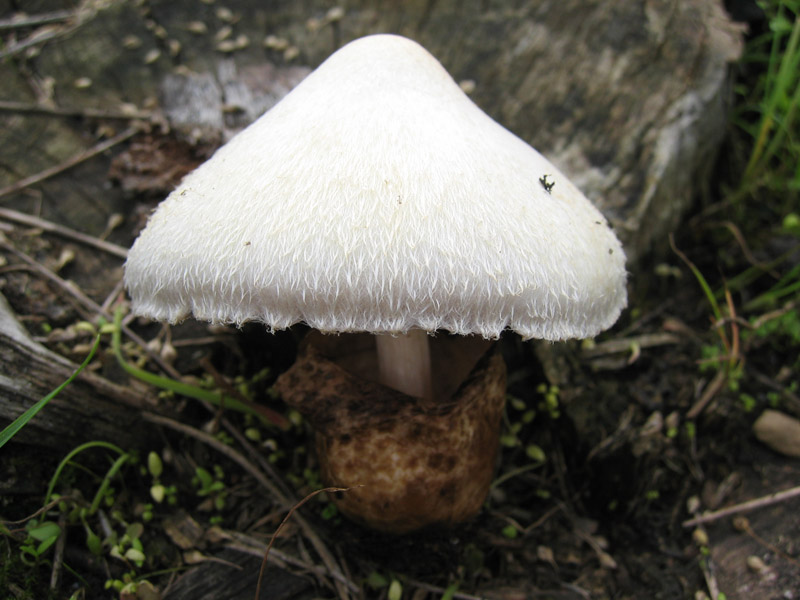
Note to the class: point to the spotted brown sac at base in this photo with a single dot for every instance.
(411, 462)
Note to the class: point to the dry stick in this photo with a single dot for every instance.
(220, 447)
(40, 511)
(737, 234)
(784, 391)
(21, 21)
(705, 562)
(744, 507)
(58, 557)
(247, 545)
(735, 345)
(714, 386)
(617, 345)
(50, 227)
(233, 455)
(112, 297)
(69, 163)
(222, 383)
(39, 38)
(86, 113)
(743, 524)
(87, 302)
(282, 524)
(722, 375)
(256, 456)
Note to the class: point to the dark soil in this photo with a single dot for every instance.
(627, 454)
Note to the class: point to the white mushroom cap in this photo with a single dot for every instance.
(377, 197)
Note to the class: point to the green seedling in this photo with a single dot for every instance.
(211, 486)
(216, 398)
(550, 400)
(395, 591)
(775, 99)
(510, 532)
(40, 537)
(158, 491)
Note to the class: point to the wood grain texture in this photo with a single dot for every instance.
(90, 408)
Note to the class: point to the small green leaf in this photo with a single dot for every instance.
(42, 548)
(154, 464)
(44, 531)
(510, 532)
(376, 581)
(157, 493)
(94, 543)
(135, 555)
(395, 590)
(535, 453)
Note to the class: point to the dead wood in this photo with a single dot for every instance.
(233, 575)
(90, 408)
(628, 99)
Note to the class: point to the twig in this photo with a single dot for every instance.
(38, 37)
(31, 221)
(714, 386)
(281, 526)
(744, 507)
(211, 441)
(773, 314)
(87, 302)
(72, 21)
(743, 524)
(65, 285)
(236, 433)
(576, 589)
(614, 346)
(784, 391)
(198, 341)
(701, 540)
(69, 163)
(543, 519)
(41, 511)
(616, 437)
(21, 20)
(736, 356)
(236, 457)
(85, 112)
(737, 234)
(248, 545)
(58, 556)
(222, 383)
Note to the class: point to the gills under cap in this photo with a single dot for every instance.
(377, 197)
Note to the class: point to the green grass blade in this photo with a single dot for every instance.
(11, 430)
(185, 389)
(65, 461)
(779, 102)
(101, 491)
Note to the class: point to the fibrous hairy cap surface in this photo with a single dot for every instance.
(377, 197)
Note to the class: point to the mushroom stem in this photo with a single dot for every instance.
(404, 362)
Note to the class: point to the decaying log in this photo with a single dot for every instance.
(234, 575)
(628, 98)
(90, 408)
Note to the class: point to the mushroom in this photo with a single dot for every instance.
(377, 197)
